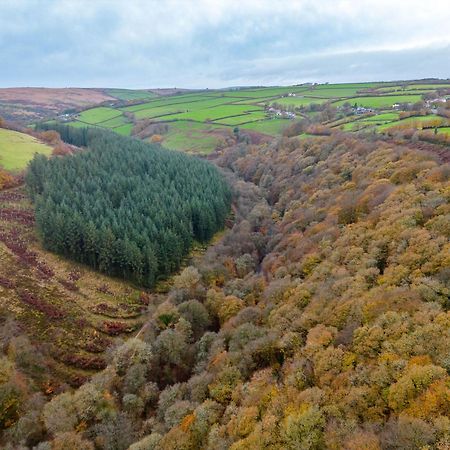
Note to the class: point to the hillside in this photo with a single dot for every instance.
(199, 122)
(17, 149)
(125, 207)
(320, 320)
(29, 104)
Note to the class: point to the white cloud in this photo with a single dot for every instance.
(150, 43)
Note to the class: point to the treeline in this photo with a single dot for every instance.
(125, 207)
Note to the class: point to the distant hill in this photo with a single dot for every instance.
(202, 121)
(28, 104)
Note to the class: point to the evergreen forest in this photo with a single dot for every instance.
(125, 207)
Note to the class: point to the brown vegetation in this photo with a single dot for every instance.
(29, 104)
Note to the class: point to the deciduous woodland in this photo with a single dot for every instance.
(125, 207)
(319, 321)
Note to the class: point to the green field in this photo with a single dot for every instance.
(96, 115)
(368, 85)
(193, 137)
(114, 122)
(383, 117)
(445, 130)
(299, 101)
(241, 120)
(384, 101)
(272, 127)
(152, 111)
(124, 130)
(265, 92)
(334, 92)
(129, 94)
(213, 114)
(17, 149)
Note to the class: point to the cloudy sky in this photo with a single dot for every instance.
(219, 43)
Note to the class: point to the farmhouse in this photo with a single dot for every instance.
(280, 114)
(361, 110)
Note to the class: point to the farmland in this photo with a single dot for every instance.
(200, 121)
(129, 94)
(16, 149)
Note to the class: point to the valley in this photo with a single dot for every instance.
(286, 286)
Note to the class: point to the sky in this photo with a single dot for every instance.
(220, 43)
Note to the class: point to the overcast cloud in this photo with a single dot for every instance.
(219, 43)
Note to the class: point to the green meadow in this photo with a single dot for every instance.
(299, 101)
(17, 149)
(272, 127)
(384, 101)
(96, 115)
(129, 94)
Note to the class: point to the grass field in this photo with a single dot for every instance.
(384, 101)
(96, 115)
(242, 119)
(194, 137)
(265, 92)
(299, 101)
(213, 114)
(114, 122)
(272, 127)
(445, 130)
(383, 117)
(129, 94)
(334, 92)
(17, 149)
(124, 130)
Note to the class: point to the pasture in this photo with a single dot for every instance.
(129, 94)
(96, 115)
(17, 149)
(299, 101)
(194, 137)
(385, 101)
(272, 127)
(445, 130)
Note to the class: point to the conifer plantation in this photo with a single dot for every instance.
(125, 207)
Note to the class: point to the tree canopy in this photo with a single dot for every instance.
(125, 207)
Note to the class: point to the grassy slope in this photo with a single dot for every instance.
(385, 101)
(129, 94)
(272, 127)
(192, 137)
(16, 149)
(96, 115)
